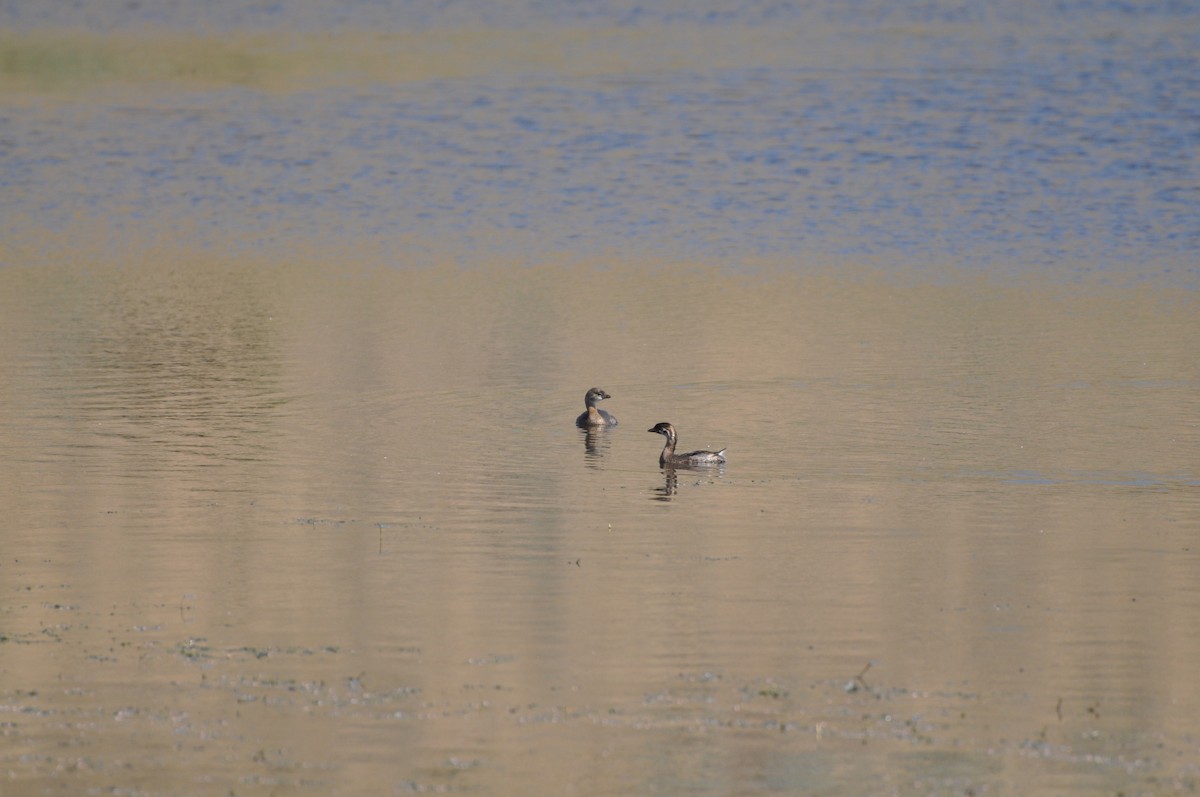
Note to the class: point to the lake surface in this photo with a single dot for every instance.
(298, 306)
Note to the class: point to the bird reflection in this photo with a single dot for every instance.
(595, 445)
(670, 485)
(671, 478)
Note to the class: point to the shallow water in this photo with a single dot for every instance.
(334, 530)
(293, 331)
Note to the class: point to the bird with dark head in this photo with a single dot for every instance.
(668, 457)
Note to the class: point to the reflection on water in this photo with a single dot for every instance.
(670, 485)
(350, 502)
(147, 372)
(595, 445)
(989, 140)
(694, 476)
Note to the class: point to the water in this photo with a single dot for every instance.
(295, 320)
(990, 138)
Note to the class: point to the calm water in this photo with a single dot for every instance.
(298, 305)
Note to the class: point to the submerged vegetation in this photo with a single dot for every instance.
(79, 61)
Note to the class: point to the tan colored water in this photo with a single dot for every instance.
(283, 528)
(298, 303)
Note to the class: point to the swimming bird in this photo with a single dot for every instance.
(595, 416)
(669, 457)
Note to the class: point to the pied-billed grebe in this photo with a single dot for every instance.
(595, 416)
(669, 457)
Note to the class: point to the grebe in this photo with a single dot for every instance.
(595, 416)
(669, 457)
